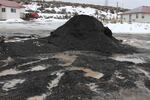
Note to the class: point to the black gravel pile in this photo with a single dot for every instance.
(84, 32)
(81, 32)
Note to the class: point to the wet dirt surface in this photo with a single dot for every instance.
(76, 75)
(85, 76)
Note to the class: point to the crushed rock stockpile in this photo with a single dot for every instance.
(81, 32)
(84, 32)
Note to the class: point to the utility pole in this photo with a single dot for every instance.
(117, 6)
(117, 9)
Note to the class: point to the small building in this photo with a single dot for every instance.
(140, 14)
(10, 10)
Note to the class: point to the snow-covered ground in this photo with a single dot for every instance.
(41, 24)
(40, 27)
(51, 24)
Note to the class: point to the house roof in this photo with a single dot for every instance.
(10, 4)
(142, 9)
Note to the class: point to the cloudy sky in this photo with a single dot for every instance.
(122, 3)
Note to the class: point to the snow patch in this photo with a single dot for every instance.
(32, 62)
(38, 68)
(135, 42)
(14, 71)
(9, 72)
(8, 60)
(12, 83)
(54, 83)
(147, 74)
(118, 75)
(1, 82)
(148, 41)
(129, 58)
(17, 40)
(93, 87)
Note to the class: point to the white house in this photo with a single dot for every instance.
(140, 14)
(10, 10)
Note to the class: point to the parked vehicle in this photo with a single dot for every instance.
(30, 16)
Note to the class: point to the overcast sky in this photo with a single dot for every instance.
(122, 3)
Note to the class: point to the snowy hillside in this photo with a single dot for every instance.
(66, 12)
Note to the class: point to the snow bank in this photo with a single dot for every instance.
(9, 72)
(12, 84)
(130, 58)
(134, 28)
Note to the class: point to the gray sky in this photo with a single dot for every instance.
(122, 3)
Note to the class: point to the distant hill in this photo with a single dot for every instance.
(60, 3)
(66, 10)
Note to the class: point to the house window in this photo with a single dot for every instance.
(13, 10)
(3, 9)
(137, 16)
(143, 16)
